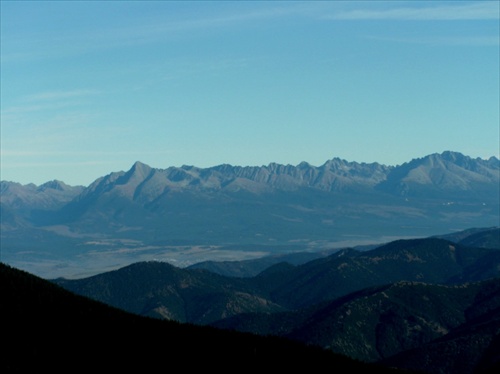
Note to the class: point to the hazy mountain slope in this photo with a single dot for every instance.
(53, 330)
(425, 260)
(50, 195)
(163, 291)
(489, 238)
(450, 172)
(20, 204)
(482, 237)
(251, 268)
(477, 237)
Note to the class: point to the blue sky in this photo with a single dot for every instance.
(88, 88)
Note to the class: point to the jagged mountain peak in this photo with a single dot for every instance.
(453, 156)
(304, 165)
(357, 165)
(124, 182)
(494, 161)
(447, 176)
(448, 170)
(49, 195)
(139, 166)
(138, 171)
(447, 158)
(336, 163)
(459, 158)
(54, 185)
(450, 157)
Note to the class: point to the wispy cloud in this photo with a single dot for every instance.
(471, 41)
(17, 153)
(183, 69)
(159, 28)
(481, 10)
(144, 29)
(12, 165)
(47, 100)
(60, 95)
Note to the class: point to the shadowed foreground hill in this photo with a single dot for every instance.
(45, 327)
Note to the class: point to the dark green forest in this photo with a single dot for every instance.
(45, 327)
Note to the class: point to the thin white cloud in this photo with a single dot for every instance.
(17, 153)
(161, 29)
(48, 102)
(471, 41)
(482, 10)
(10, 113)
(182, 69)
(60, 95)
(12, 165)
(157, 28)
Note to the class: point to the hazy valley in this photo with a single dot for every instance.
(184, 215)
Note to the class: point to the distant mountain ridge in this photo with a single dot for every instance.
(48, 195)
(450, 170)
(449, 174)
(274, 207)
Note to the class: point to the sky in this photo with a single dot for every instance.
(90, 87)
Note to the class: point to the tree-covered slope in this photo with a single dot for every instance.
(430, 328)
(46, 328)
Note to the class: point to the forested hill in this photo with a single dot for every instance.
(47, 328)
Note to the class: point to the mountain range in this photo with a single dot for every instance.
(184, 215)
(431, 305)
